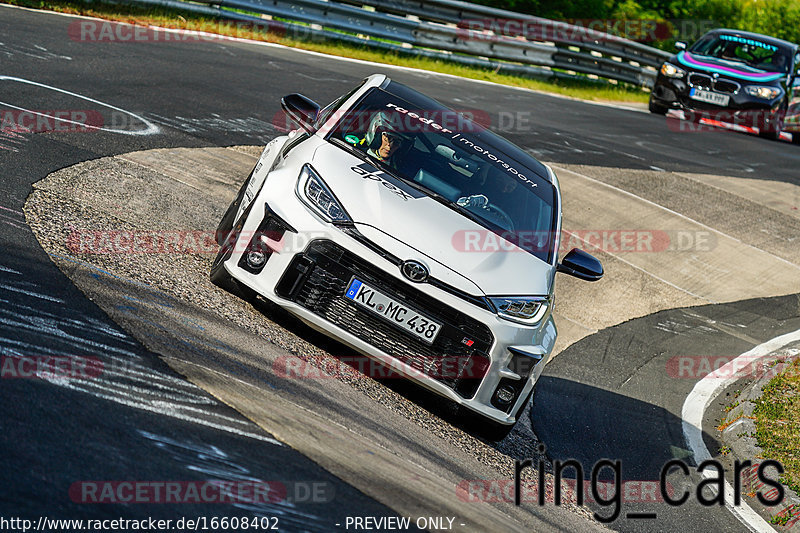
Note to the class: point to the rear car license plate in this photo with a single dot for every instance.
(395, 312)
(709, 96)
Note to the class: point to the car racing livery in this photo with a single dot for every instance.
(735, 77)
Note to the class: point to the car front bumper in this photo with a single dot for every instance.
(742, 109)
(309, 264)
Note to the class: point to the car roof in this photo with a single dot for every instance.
(480, 133)
(751, 35)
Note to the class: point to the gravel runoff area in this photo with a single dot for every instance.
(118, 194)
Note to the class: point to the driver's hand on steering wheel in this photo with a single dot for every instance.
(476, 200)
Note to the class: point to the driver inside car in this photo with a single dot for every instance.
(385, 142)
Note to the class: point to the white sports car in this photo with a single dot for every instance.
(412, 234)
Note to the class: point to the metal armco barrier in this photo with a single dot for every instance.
(456, 31)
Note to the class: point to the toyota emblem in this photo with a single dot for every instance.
(414, 271)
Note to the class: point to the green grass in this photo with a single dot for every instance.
(165, 17)
(777, 415)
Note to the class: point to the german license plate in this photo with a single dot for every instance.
(395, 312)
(709, 96)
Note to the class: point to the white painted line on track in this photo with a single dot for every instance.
(693, 412)
(639, 268)
(150, 130)
(673, 212)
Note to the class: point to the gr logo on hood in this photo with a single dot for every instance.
(395, 185)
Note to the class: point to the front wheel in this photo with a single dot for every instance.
(656, 108)
(226, 224)
(219, 275)
(489, 429)
(773, 132)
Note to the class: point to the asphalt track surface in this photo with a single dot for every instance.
(596, 400)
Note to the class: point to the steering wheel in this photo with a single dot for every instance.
(500, 215)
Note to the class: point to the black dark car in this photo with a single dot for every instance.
(734, 77)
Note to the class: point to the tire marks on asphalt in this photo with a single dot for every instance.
(124, 376)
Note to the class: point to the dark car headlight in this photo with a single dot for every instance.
(529, 310)
(671, 71)
(760, 91)
(316, 194)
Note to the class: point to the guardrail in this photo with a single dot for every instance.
(455, 31)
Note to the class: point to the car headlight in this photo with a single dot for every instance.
(526, 310)
(759, 91)
(316, 194)
(671, 71)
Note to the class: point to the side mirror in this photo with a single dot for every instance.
(302, 110)
(581, 265)
(680, 45)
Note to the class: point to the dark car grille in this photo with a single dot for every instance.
(700, 80)
(726, 86)
(317, 279)
(703, 81)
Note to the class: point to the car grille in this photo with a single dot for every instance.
(474, 300)
(317, 279)
(703, 81)
(700, 80)
(726, 86)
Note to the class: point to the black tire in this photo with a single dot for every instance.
(489, 429)
(494, 432)
(219, 276)
(773, 133)
(796, 137)
(228, 219)
(656, 108)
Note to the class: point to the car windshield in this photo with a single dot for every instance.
(755, 53)
(455, 161)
